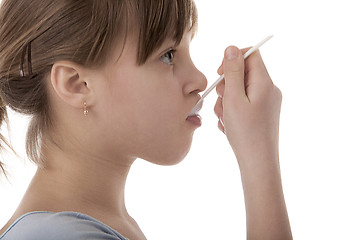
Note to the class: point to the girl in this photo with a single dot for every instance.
(97, 78)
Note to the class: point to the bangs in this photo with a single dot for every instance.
(163, 19)
(155, 21)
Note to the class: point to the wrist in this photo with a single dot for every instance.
(257, 153)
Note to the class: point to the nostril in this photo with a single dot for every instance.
(195, 91)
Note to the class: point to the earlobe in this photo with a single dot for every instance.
(70, 83)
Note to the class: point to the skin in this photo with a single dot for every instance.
(248, 108)
(130, 117)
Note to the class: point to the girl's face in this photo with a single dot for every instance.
(144, 109)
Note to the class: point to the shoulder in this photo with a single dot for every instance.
(56, 226)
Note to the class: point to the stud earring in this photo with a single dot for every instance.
(86, 111)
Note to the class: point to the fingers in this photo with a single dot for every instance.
(233, 85)
(249, 104)
(256, 60)
(218, 109)
(220, 70)
(256, 63)
(257, 77)
(221, 126)
(245, 82)
(233, 67)
(220, 88)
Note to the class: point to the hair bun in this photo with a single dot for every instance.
(23, 94)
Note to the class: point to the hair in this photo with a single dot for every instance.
(35, 34)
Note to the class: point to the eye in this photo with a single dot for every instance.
(168, 57)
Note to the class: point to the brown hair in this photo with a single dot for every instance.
(35, 34)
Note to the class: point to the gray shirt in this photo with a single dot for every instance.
(59, 226)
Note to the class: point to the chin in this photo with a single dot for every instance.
(169, 156)
(171, 161)
(168, 159)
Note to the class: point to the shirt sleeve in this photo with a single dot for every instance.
(59, 226)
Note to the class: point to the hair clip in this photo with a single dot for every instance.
(27, 49)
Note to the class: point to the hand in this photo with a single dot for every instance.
(249, 109)
(249, 104)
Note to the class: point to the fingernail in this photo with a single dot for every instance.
(231, 53)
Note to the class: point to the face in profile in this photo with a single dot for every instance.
(144, 109)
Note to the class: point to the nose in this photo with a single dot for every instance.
(196, 81)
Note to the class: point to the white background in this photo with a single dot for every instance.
(314, 60)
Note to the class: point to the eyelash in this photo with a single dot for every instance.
(168, 57)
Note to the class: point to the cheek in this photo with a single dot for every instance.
(150, 119)
(155, 96)
(164, 136)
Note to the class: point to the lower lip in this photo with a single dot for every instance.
(196, 120)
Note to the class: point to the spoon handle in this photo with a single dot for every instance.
(246, 55)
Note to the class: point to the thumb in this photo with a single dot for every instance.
(233, 67)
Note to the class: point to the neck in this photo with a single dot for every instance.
(85, 184)
(76, 182)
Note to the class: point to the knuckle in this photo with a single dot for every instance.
(236, 71)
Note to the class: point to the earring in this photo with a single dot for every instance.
(86, 111)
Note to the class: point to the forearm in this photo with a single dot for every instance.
(249, 107)
(266, 212)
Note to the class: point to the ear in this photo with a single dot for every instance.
(70, 83)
